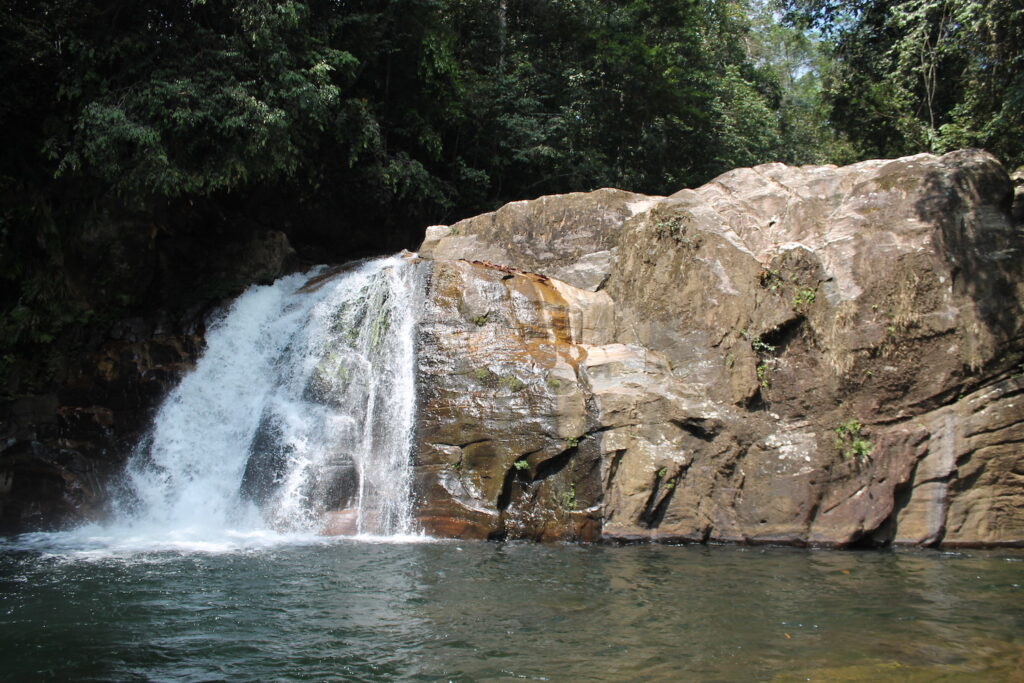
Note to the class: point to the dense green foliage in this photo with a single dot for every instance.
(923, 75)
(351, 124)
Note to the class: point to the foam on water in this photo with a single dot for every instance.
(102, 543)
(301, 406)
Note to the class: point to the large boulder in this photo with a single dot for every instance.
(805, 355)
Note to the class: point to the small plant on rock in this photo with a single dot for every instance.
(574, 441)
(850, 441)
(771, 280)
(804, 297)
(569, 498)
(521, 465)
(675, 227)
(512, 383)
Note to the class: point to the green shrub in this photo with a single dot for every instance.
(574, 441)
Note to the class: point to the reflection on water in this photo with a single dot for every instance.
(479, 611)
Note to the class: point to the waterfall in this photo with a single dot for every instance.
(298, 415)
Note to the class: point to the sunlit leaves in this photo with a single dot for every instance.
(926, 75)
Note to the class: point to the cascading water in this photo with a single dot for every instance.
(301, 409)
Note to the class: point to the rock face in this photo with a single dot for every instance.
(809, 355)
(60, 450)
(503, 411)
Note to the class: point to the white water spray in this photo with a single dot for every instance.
(300, 410)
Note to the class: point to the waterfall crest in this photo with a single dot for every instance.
(299, 414)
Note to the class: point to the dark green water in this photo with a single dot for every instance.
(482, 611)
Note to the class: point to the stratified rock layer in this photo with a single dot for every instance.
(801, 355)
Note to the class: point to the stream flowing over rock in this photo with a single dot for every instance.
(814, 355)
(811, 355)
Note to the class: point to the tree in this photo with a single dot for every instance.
(924, 75)
(797, 58)
(133, 126)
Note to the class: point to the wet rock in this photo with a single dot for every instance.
(341, 523)
(45, 488)
(262, 258)
(502, 409)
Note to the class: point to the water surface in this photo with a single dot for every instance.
(436, 611)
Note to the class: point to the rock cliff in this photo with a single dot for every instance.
(812, 355)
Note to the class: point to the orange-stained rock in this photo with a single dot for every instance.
(811, 355)
(453, 527)
(498, 361)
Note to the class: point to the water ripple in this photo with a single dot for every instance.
(374, 611)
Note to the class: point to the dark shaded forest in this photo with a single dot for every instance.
(137, 134)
